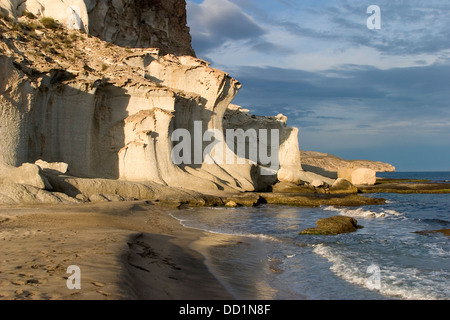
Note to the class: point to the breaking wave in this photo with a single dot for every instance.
(361, 213)
(395, 282)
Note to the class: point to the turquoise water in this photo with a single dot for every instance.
(384, 260)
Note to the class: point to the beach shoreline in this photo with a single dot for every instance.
(125, 251)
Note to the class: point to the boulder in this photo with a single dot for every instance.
(333, 226)
(71, 13)
(289, 175)
(309, 177)
(27, 174)
(14, 193)
(287, 187)
(231, 204)
(54, 167)
(317, 183)
(358, 176)
(342, 186)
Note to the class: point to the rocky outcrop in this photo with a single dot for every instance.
(277, 153)
(342, 186)
(333, 226)
(127, 23)
(329, 165)
(108, 112)
(107, 120)
(15, 193)
(55, 168)
(142, 24)
(358, 176)
(27, 174)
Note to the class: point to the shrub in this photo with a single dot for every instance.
(32, 25)
(29, 15)
(74, 37)
(49, 23)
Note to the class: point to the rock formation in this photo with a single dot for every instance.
(127, 23)
(288, 155)
(104, 100)
(343, 186)
(358, 176)
(333, 226)
(73, 103)
(329, 164)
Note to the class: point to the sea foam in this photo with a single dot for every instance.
(395, 282)
(361, 213)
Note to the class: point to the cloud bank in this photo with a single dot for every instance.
(383, 94)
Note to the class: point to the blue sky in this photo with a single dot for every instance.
(357, 93)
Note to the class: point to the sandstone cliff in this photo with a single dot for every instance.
(127, 23)
(100, 99)
(110, 112)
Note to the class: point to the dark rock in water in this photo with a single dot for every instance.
(445, 232)
(342, 186)
(333, 226)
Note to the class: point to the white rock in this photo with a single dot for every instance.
(28, 174)
(54, 167)
(317, 183)
(121, 129)
(231, 204)
(358, 176)
(71, 13)
(289, 175)
(13, 193)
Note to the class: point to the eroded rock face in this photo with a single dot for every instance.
(127, 23)
(111, 112)
(286, 154)
(142, 24)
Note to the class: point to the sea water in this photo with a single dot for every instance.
(387, 259)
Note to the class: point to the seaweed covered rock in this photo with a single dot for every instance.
(333, 226)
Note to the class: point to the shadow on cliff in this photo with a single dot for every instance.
(83, 124)
(79, 123)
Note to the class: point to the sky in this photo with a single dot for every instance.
(356, 92)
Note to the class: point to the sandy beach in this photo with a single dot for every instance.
(127, 250)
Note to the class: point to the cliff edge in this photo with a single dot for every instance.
(127, 23)
(129, 122)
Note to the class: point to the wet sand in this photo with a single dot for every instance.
(125, 250)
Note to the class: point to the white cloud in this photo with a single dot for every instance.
(214, 23)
